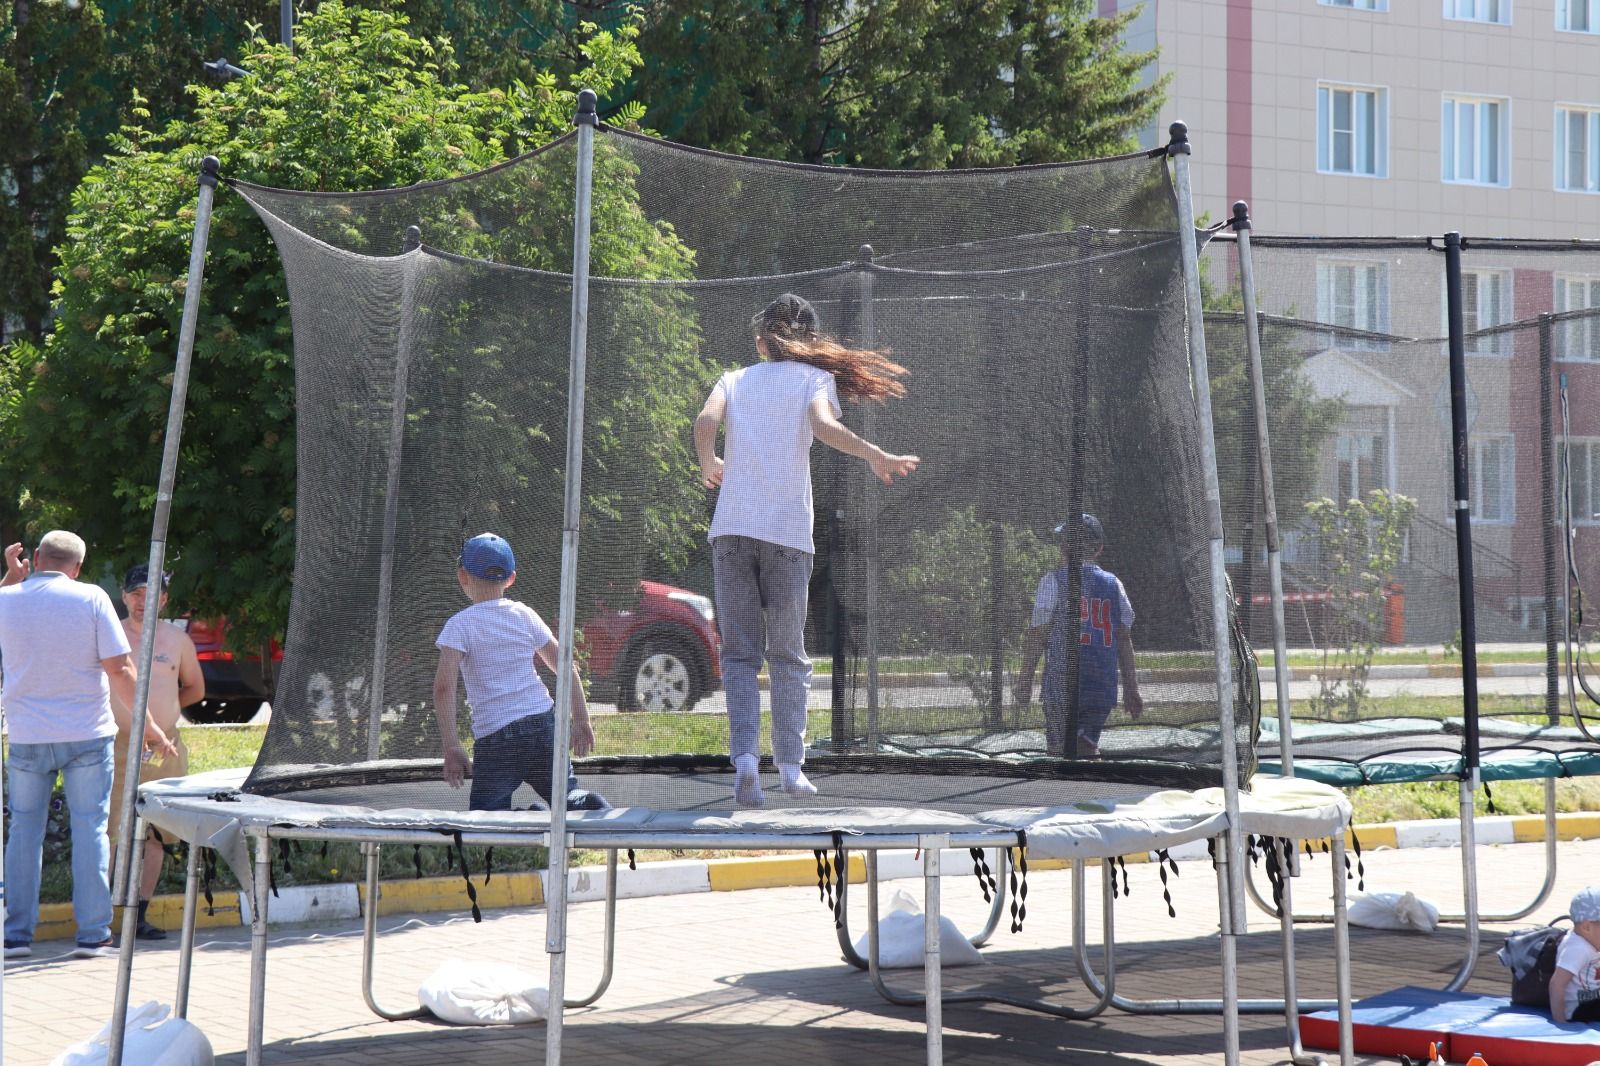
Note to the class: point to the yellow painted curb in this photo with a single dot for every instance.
(774, 871)
(524, 889)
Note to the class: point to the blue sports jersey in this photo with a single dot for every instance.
(1100, 621)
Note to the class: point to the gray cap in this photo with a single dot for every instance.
(1586, 905)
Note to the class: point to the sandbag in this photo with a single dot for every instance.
(1394, 910)
(150, 1038)
(900, 938)
(484, 993)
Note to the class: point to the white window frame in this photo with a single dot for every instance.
(1483, 307)
(1506, 445)
(1364, 143)
(1369, 304)
(1589, 180)
(1490, 12)
(1591, 16)
(1584, 455)
(1577, 341)
(1463, 126)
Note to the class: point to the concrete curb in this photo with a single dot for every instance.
(303, 904)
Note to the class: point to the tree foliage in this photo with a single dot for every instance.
(363, 103)
(925, 84)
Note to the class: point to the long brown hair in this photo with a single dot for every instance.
(789, 326)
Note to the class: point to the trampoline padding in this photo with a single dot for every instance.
(1407, 1020)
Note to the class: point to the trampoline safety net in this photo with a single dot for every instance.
(1039, 313)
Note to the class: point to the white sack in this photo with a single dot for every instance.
(150, 1038)
(1394, 910)
(484, 993)
(901, 936)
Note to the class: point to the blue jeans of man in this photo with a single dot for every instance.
(761, 592)
(85, 769)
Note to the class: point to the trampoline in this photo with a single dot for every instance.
(522, 350)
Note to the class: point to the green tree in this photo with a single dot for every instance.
(895, 83)
(362, 104)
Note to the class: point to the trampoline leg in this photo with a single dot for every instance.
(1469, 883)
(610, 945)
(260, 890)
(932, 846)
(1341, 953)
(191, 901)
(369, 945)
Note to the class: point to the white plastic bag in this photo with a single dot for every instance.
(1394, 910)
(484, 993)
(150, 1038)
(901, 937)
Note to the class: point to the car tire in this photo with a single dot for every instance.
(222, 712)
(658, 676)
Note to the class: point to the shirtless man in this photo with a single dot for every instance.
(175, 683)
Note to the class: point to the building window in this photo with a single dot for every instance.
(1496, 11)
(1578, 339)
(1493, 471)
(1485, 303)
(1475, 135)
(1578, 16)
(1583, 460)
(1577, 157)
(1352, 130)
(1363, 464)
(1358, 5)
(1356, 296)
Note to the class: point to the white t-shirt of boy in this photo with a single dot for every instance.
(1044, 601)
(766, 477)
(1581, 959)
(497, 640)
(53, 632)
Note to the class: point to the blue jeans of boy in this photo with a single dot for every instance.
(518, 752)
(761, 611)
(85, 768)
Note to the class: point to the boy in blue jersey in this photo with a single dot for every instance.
(1105, 645)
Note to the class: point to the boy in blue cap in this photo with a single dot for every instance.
(492, 645)
(1105, 644)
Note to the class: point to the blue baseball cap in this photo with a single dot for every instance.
(1088, 525)
(489, 557)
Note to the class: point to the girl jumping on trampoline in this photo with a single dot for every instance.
(761, 532)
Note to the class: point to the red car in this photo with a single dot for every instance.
(661, 654)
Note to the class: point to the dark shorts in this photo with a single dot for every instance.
(517, 753)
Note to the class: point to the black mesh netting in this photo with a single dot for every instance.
(1353, 336)
(1040, 312)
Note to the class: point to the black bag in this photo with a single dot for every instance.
(1531, 957)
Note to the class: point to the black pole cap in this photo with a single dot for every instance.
(587, 108)
(210, 170)
(1241, 215)
(1179, 145)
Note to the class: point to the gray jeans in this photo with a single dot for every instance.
(761, 611)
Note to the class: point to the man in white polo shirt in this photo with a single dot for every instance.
(62, 652)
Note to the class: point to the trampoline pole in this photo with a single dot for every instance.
(560, 755)
(123, 882)
(1269, 500)
(1232, 857)
(1469, 634)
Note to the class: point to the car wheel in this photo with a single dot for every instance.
(659, 678)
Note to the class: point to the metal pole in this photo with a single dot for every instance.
(391, 497)
(1232, 866)
(1460, 447)
(869, 330)
(1269, 500)
(124, 883)
(572, 514)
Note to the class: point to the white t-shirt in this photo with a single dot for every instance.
(1044, 601)
(497, 640)
(53, 633)
(766, 477)
(1580, 958)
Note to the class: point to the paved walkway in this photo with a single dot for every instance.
(755, 977)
